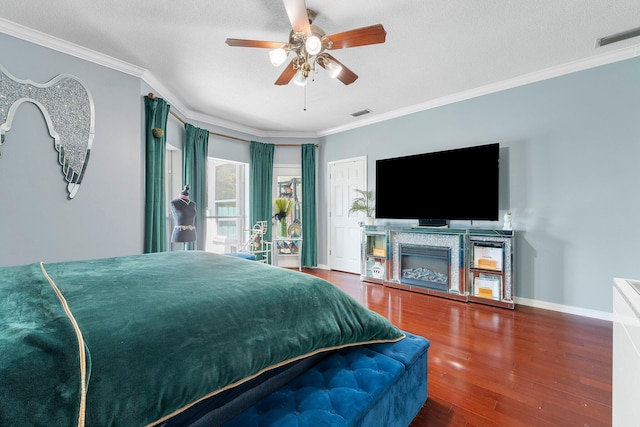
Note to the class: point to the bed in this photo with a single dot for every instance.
(187, 338)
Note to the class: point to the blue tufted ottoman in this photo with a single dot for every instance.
(375, 385)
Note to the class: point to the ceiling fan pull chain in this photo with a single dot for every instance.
(305, 97)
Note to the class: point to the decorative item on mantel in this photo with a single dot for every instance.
(282, 206)
(364, 203)
(377, 270)
(507, 221)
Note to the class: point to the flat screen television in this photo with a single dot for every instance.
(436, 187)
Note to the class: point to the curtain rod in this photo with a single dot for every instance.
(152, 96)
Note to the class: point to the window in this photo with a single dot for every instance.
(226, 215)
(227, 198)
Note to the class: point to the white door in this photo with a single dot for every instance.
(345, 176)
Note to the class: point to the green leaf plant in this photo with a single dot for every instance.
(365, 202)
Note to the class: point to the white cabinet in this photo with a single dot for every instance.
(287, 252)
(626, 352)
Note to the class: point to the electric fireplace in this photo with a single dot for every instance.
(425, 266)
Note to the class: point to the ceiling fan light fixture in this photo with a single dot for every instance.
(313, 45)
(278, 56)
(333, 68)
(300, 79)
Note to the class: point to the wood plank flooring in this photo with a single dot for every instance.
(492, 366)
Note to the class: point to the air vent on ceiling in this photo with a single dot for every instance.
(361, 113)
(614, 38)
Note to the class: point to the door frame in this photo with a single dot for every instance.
(329, 187)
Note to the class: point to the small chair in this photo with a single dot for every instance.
(257, 245)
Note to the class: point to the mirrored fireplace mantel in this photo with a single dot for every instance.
(471, 264)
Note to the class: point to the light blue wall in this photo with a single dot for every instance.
(37, 220)
(570, 149)
(569, 153)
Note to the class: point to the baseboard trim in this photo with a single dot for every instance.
(595, 314)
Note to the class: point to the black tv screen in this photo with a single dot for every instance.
(459, 184)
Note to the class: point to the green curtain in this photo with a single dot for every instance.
(309, 220)
(260, 180)
(155, 204)
(194, 173)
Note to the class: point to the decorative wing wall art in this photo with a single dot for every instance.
(67, 107)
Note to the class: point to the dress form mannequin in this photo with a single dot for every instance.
(184, 214)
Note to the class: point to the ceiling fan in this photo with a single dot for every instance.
(310, 46)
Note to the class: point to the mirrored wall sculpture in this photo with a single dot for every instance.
(67, 107)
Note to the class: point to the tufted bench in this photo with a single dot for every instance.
(375, 385)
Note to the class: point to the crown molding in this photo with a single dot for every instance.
(64, 46)
(190, 115)
(568, 68)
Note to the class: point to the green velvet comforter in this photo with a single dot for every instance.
(132, 340)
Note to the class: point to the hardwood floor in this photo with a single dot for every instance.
(491, 366)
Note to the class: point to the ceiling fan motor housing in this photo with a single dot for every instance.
(297, 41)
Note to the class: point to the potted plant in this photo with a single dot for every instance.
(282, 206)
(365, 203)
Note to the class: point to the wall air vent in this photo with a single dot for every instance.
(361, 113)
(614, 38)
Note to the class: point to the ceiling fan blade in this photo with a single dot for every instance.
(254, 43)
(346, 76)
(297, 12)
(359, 37)
(287, 74)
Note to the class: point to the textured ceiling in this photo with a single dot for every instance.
(435, 52)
